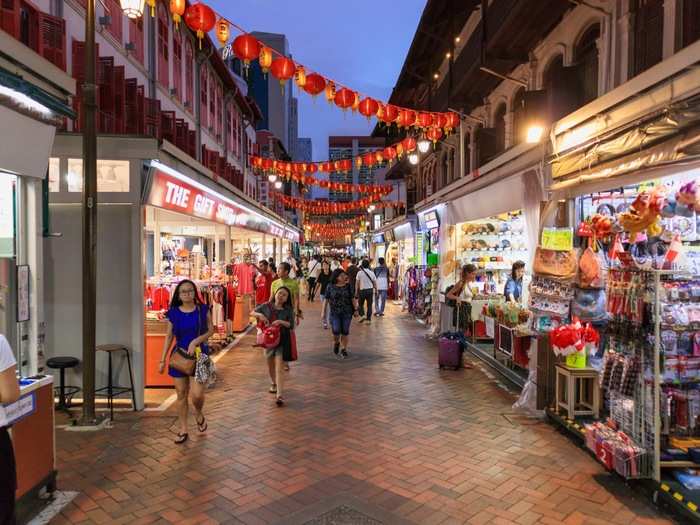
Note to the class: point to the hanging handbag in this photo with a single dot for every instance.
(560, 265)
(183, 362)
(589, 305)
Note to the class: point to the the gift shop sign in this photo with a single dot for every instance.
(173, 193)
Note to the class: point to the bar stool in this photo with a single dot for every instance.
(64, 392)
(115, 390)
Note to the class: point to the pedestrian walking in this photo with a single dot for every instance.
(263, 283)
(190, 326)
(284, 279)
(343, 306)
(324, 280)
(271, 264)
(9, 393)
(382, 274)
(366, 285)
(314, 272)
(278, 312)
(335, 264)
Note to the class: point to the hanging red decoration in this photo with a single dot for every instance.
(391, 113)
(379, 157)
(368, 107)
(222, 31)
(409, 144)
(439, 120)
(434, 134)
(300, 77)
(315, 83)
(265, 59)
(389, 153)
(452, 121)
(283, 69)
(267, 164)
(424, 120)
(311, 168)
(330, 91)
(368, 159)
(356, 102)
(177, 9)
(201, 19)
(247, 48)
(344, 98)
(345, 165)
(406, 118)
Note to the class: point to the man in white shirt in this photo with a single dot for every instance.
(366, 283)
(382, 274)
(9, 393)
(314, 272)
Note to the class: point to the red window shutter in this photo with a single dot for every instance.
(189, 75)
(52, 39)
(219, 114)
(229, 129)
(136, 38)
(177, 64)
(163, 25)
(212, 102)
(9, 17)
(116, 18)
(204, 104)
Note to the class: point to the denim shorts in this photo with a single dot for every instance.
(340, 324)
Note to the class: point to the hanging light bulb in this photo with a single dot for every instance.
(413, 158)
(272, 177)
(278, 184)
(423, 145)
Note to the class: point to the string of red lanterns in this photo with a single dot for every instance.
(321, 207)
(202, 19)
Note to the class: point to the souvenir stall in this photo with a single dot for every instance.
(403, 250)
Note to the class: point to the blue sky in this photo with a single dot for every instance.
(359, 42)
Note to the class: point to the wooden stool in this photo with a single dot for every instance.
(577, 391)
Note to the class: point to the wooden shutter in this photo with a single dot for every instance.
(163, 52)
(177, 64)
(648, 34)
(487, 145)
(9, 17)
(212, 103)
(204, 97)
(189, 75)
(52, 39)
(136, 38)
(116, 18)
(691, 22)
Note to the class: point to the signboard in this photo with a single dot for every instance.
(432, 221)
(7, 215)
(389, 236)
(558, 239)
(22, 293)
(23, 407)
(420, 249)
(173, 193)
(378, 238)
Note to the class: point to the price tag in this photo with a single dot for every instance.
(558, 239)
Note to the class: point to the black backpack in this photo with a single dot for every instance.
(450, 302)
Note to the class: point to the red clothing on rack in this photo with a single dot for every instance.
(263, 287)
(230, 300)
(160, 298)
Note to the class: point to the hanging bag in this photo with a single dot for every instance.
(560, 265)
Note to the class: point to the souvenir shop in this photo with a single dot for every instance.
(400, 257)
(159, 221)
(194, 232)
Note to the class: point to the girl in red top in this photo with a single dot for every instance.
(263, 284)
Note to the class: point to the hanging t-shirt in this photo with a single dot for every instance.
(7, 358)
(244, 274)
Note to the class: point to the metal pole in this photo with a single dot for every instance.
(89, 213)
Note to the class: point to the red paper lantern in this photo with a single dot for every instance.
(407, 117)
(344, 98)
(434, 134)
(391, 113)
(368, 159)
(311, 168)
(409, 144)
(177, 9)
(452, 121)
(283, 69)
(440, 120)
(326, 167)
(315, 83)
(346, 165)
(368, 107)
(389, 153)
(201, 19)
(424, 119)
(265, 59)
(267, 164)
(379, 157)
(247, 48)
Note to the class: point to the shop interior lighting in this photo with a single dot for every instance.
(179, 176)
(413, 158)
(448, 54)
(436, 76)
(278, 184)
(423, 145)
(132, 8)
(272, 177)
(457, 39)
(24, 100)
(534, 134)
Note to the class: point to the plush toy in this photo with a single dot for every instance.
(644, 213)
(689, 196)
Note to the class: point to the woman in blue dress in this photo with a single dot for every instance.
(190, 325)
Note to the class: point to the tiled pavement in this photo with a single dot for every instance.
(381, 438)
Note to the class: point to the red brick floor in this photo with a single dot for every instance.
(385, 428)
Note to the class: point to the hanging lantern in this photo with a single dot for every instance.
(399, 150)
(201, 19)
(424, 120)
(344, 98)
(177, 9)
(132, 8)
(389, 154)
(358, 161)
(330, 91)
(356, 102)
(300, 77)
(267, 164)
(434, 134)
(409, 144)
(311, 168)
(315, 83)
(368, 107)
(452, 121)
(152, 5)
(368, 159)
(283, 69)
(265, 59)
(406, 118)
(379, 157)
(439, 120)
(222, 31)
(246, 47)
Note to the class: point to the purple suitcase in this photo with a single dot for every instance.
(450, 353)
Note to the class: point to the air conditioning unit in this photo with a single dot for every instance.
(130, 46)
(105, 20)
(173, 91)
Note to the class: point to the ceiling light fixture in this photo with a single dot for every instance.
(457, 39)
(413, 158)
(278, 184)
(423, 145)
(436, 76)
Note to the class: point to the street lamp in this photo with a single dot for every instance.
(413, 158)
(423, 145)
(278, 184)
(132, 8)
(272, 177)
(534, 134)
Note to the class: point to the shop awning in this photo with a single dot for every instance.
(26, 144)
(500, 197)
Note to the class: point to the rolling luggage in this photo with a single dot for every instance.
(450, 348)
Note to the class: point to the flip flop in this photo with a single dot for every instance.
(202, 427)
(181, 438)
(273, 389)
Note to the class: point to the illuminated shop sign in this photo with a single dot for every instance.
(172, 191)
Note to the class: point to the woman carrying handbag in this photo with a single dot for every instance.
(190, 325)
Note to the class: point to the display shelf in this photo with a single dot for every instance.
(678, 464)
(680, 498)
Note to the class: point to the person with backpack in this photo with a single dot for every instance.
(381, 272)
(366, 285)
(462, 295)
(278, 312)
(343, 306)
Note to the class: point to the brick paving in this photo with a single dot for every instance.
(381, 438)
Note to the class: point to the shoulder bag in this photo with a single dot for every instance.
(561, 265)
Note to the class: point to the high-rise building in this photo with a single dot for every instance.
(348, 147)
(303, 150)
(293, 131)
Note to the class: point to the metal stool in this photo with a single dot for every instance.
(111, 389)
(65, 393)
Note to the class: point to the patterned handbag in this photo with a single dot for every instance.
(560, 265)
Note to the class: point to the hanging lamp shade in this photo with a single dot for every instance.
(246, 47)
(424, 119)
(439, 120)
(368, 159)
(132, 8)
(389, 153)
(201, 19)
(391, 113)
(315, 83)
(379, 156)
(434, 134)
(177, 9)
(452, 121)
(283, 69)
(265, 59)
(406, 118)
(409, 144)
(344, 98)
(368, 107)
(222, 31)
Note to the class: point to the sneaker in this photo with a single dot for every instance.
(336, 348)
(325, 325)
(344, 353)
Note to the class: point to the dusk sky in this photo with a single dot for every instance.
(362, 43)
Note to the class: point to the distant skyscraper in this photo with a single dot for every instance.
(348, 148)
(293, 132)
(303, 150)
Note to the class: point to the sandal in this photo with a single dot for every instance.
(202, 427)
(279, 401)
(273, 389)
(181, 438)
